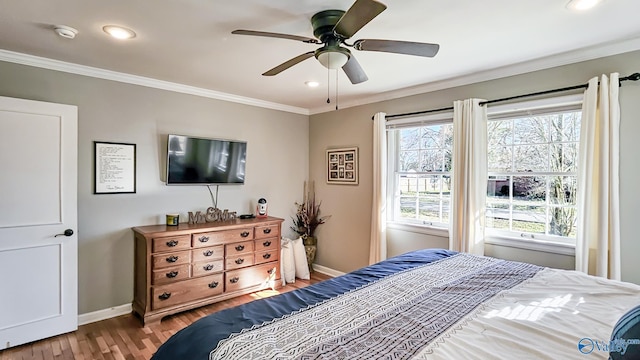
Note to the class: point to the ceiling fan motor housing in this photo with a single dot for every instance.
(323, 24)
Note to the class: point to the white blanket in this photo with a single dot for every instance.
(545, 317)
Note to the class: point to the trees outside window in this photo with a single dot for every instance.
(532, 174)
(423, 174)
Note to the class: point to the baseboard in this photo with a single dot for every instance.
(104, 314)
(327, 271)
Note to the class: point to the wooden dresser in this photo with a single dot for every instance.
(182, 267)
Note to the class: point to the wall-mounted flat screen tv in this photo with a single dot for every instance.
(201, 161)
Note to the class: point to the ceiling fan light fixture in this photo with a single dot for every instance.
(333, 58)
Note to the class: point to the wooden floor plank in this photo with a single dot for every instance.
(66, 351)
(124, 337)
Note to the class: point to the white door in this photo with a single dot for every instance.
(38, 200)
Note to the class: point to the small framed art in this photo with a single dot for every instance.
(342, 166)
(115, 168)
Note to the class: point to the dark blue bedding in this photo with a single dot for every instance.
(197, 340)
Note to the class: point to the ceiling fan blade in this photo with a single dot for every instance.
(276, 35)
(398, 47)
(354, 71)
(358, 15)
(287, 64)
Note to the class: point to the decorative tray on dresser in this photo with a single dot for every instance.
(182, 267)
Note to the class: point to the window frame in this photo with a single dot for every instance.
(539, 242)
(393, 161)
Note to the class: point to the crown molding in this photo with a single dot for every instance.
(571, 57)
(57, 65)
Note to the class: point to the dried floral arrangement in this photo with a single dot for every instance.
(307, 217)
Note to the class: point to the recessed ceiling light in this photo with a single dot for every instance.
(119, 32)
(312, 84)
(65, 31)
(582, 5)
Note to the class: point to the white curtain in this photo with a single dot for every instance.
(378, 247)
(598, 233)
(469, 177)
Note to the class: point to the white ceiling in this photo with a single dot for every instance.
(190, 42)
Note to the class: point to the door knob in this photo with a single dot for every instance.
(67, 232)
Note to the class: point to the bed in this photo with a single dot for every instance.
(426, 304)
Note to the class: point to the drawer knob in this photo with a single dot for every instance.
(266, 256)
(239, 261)
(266, 231)
(207, 253)
(213, 285)
(266, 243)
(164, 296)
(208, 267)
(172, 274)
(172, 243)
(240, 247)
(244, 234)
(203, 239)
(271, 271)
(234, 280)
(172, 259)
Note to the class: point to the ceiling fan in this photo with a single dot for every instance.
(332, 28)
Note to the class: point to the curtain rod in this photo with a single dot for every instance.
(632, 77)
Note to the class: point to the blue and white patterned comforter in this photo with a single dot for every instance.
(405, 307)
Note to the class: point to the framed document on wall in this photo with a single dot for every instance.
(342, 166)
(114, 168)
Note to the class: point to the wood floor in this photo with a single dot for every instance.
(123, 337)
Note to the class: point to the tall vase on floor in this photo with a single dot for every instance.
(306, 220)
(310, 248)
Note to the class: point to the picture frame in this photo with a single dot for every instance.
(342, 166)
(114, 168)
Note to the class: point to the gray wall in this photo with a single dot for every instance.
(344, 241)
(277, 164)
(283, 149)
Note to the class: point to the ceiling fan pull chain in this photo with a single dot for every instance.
(328, 86)
(336, 89)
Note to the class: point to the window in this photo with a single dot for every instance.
(532, 159)
(532, 171)
(421, 181)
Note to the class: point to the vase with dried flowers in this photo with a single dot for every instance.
(306, 220)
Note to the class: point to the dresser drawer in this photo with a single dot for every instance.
(266, 256)
(208, 253)
(221, 237)
(265, 275)
(171, 243)
(171, 274)
(185, 291)
(238, 261)
(238, 248)
(266, 244)
(170, 259)
(207, 267)
(267, 231)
